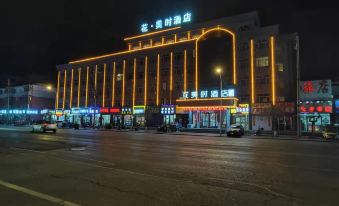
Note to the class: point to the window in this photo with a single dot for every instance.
(280, 67)
(263, 98)
(119, 77)
(262, 62)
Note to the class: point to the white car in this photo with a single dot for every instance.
(43, 126)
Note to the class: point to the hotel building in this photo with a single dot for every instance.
(170, 75)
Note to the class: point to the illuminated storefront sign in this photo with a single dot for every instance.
(19, 111)
(315, 90)
(126, 111)
(241, 109)
(316, 107)
(159, 24)
(75, 110)
(202, 108)
(108, 110)
(167, 109)
(337, 106)
(59, 112)
(209, 94)
(93, 110)
(139, 110)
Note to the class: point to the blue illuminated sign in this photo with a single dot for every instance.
(168, 22)
(337, 106)
(167, 109)
(209, 94)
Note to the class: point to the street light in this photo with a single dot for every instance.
(218, 70)
(49, 87)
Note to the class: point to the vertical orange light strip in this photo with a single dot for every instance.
(123, 84)
(79, 86)
(145, 86)
(140, 45)
(151, 42)
(175, 37)
(162, 40)
(188, 35)
(234, 61)
(96, 78)
(185, 70)
(104, 87)
(113, 85)
(57, 93)
(196, 68)
(71, 94)
(158, 79)
(64, 96)
(252, 71)
(171, 77)
(87, 77)
(129, 47)
(134, 79)
(272, 46)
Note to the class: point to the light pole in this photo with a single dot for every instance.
(218, 70)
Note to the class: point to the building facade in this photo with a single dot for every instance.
(25, 102)
(169, 75)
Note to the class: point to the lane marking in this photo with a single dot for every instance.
(37, 194)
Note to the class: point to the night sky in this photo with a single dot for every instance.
(38, 35)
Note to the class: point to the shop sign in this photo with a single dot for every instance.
(315, 90)
(75, 111)
(209, 94)
(241, 109)
(93, 110)
(168, 22)
(110, 110)
(316, 107)
(204, 108)
(139, 110)
(44, 111)
(83, 110)
(152, 110)
(167, 109)
(126, 110)
(337, 106)
(59, 112)
(19, 111)
(262, 108)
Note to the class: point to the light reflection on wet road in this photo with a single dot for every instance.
(128, 168)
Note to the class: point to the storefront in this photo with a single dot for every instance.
(168, 112)
(127, 116)
(110, 116)
(240, 115)
(316, 105)
(315, 115)
(209, 109)
(139, 115)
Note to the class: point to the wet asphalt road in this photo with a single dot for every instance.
(127, 168)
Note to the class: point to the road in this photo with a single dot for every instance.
(99, 168)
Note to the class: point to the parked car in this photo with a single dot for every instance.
(44, 126)
(236, 130)
(330, 132)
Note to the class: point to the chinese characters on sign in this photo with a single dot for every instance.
(167, 22)
(209, 94)
(167, 109)
(315, 90)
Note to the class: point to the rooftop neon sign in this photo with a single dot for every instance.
(168, 22)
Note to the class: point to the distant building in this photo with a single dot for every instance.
(25, 102)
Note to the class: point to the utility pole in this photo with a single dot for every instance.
(220, 105)
(297, 47)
